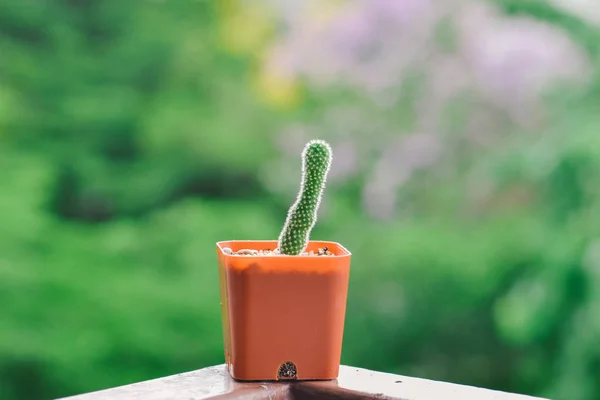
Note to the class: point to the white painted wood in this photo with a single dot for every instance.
(215, 383)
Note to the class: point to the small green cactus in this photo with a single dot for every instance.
(301, 218)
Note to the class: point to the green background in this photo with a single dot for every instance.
(134, 135)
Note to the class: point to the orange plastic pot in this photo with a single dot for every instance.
(283, 316)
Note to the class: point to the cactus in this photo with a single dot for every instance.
(302, 215)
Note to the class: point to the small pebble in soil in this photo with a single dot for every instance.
(251, 252)
(247, 252)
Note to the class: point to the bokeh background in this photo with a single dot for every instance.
(466, 182)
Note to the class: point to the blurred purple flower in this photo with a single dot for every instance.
(496, 67)
(514, 60)
(398, 162)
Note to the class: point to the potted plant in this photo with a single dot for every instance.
(284, 302)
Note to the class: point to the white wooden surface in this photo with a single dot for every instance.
(215, 383)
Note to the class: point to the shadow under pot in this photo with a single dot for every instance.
(283, 316)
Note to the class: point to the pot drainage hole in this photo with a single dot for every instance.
(287, 370)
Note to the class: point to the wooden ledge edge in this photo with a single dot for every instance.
(352, 383)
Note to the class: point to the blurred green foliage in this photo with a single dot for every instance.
(131, 141)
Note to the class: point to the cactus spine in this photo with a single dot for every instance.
(302, 215)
